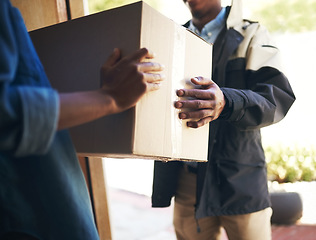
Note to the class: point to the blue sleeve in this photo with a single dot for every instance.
(28, 111)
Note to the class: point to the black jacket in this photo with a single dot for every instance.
(247, 68)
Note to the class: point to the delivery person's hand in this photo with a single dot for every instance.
(204, 105)
(127, 79)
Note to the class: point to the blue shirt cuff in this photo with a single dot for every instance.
(40, 118)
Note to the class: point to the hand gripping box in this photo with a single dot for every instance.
(73, 52)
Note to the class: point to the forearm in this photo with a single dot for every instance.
(124, 82)
(82, 107)
(262, 105)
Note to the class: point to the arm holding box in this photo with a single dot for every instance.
(262, 98)
(124, 82)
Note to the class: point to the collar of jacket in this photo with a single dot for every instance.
(234, 19)
(228, 40)
(226, 43)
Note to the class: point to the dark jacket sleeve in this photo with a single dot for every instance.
(265, 95)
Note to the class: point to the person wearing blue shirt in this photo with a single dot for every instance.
(43, 193)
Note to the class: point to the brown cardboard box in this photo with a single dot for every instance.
(73, 52)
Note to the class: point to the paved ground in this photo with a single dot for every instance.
(133, 218)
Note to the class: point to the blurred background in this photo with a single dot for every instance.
(290, 145)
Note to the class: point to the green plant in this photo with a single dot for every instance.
(290, 164)
(287, 15)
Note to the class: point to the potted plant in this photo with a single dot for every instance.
(286, 165)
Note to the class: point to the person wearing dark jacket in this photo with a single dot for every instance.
(249, 91)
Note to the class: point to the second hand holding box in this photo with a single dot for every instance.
(73, 52)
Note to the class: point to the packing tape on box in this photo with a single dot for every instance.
(178, 83)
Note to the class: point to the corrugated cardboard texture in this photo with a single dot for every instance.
(73, 52)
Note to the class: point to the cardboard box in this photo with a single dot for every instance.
(73, 52)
